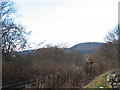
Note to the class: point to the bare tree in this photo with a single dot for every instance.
(113, 36)
(113, 42)
(13, 34)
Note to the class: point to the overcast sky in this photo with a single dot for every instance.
(68, 21)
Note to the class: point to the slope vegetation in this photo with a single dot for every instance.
(100, 81)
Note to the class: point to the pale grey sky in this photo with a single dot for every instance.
(68, 21)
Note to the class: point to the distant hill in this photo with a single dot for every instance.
(85, 48)
(25, 52)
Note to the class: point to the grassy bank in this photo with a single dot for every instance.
(100, 81)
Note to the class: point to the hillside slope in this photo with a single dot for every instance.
(100, 81)
(85, 48)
